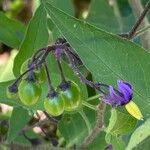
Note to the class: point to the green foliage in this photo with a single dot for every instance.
(18, 120)
(11, 31)
(140, 134)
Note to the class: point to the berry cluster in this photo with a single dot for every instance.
(34, 71)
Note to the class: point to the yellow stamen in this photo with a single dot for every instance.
(134, 110)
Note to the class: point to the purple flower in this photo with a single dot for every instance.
(119, 97)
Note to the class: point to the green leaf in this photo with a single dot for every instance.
(18, 120)
(144, 144)
(120, 123)
(117, 143)
(11, 31)
(36, 37)
(107, 56)
(73, 128)
(140, 134)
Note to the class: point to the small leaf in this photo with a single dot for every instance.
(18, 120)
(140, 134)
(120, 123)
(36, 37)
(11, 31)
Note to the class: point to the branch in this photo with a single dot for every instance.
(142, 21)
(98, 126)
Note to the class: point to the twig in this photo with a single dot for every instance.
(61, 71)
(142, 21)
(98, 126)
(139, 21)
(142, 31)
(48, 78)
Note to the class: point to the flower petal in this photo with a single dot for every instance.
(113, 98)
(126, 89)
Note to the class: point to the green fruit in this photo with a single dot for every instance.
(72, 97)
(54, 106)
(29, 92)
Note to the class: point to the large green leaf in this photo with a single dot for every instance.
(107, 56)
(139, 135)
(11, 31)
(36, 37)
(18, 120)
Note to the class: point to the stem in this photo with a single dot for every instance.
(139, 21)
(80, 75)
(93, 97)
(88, 125)
(98, 126)
(142, 31)
(36, 54)
(61, 72)
(48, 78)
(89, 105)
(20, 77)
